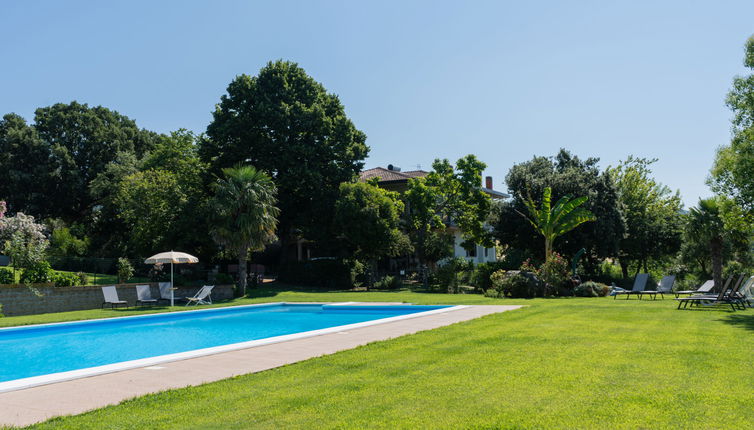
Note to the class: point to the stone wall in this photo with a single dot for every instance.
(23, 300)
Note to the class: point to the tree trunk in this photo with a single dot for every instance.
(422, 260)
(242, 272)
(372, 273)
(624, 268)
(548, 248)
(716, 252)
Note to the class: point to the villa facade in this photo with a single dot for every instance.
(393, 179)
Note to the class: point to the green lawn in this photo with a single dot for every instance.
(558, 363)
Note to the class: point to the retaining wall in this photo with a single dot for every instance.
(46, 298)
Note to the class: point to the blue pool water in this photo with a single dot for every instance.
(34, 351)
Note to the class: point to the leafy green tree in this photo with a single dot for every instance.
(82, 140)
(721, 225)
(149, 204)
(552, 222)
(368, 220)
(245, 216)
(448, 197)
(733, 170)
(286, 124)
(565, 174)
(654, 223)
(27, 174)
(64, 243)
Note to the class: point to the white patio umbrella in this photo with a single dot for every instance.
(172, 257)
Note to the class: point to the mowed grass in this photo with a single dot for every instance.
(557, 363)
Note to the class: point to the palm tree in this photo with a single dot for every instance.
(552, 222)
(245, 216)
(706, 224)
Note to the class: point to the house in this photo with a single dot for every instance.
(393, 179)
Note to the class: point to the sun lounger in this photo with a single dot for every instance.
(202, 297)
(165, 290)
(665, 287)
(639, 283)
(111, 297)
(144, 295)
(725, 296)
(705, 288)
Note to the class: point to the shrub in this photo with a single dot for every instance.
(453, 272)
(480, 277)
(555, 271)
(65, 279)
(125, 270)
(591, 289)
(37, 273)
(6, 276)
(516, 284)
(83, 278)
(388, 283)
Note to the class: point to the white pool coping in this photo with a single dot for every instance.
(23, 383)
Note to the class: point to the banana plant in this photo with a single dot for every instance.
(552, 222)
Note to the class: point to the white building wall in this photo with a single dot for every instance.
(459, 251)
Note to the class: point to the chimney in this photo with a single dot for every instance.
(488, 182)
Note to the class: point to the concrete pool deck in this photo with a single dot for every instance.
(31, 405)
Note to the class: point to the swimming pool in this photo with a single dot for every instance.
(35, 355)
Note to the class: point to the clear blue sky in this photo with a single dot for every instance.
(502, 80)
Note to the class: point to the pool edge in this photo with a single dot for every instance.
(52, 378)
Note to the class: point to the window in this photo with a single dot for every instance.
(471, 252)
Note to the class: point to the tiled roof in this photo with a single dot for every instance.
(390, 175)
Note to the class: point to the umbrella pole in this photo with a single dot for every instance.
(172, 287)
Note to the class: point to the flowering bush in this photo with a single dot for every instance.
(555, 271)
(3, 208)
(22, 239)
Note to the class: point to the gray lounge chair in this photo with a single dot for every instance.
(725, 296)
(202, 297)
(111, 297)
(665, 287)
(165, 290)
(639, 283)
(144, 295)
(705, 288)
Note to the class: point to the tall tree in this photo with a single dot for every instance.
(565, 174)
(552, 222)
(448, 197)
(83, 140)
(368, 222)
(733, 170)
(723, 229)
(654, 222)
(27, 175)
(156, 200)
(245, 216)
(286, 124)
